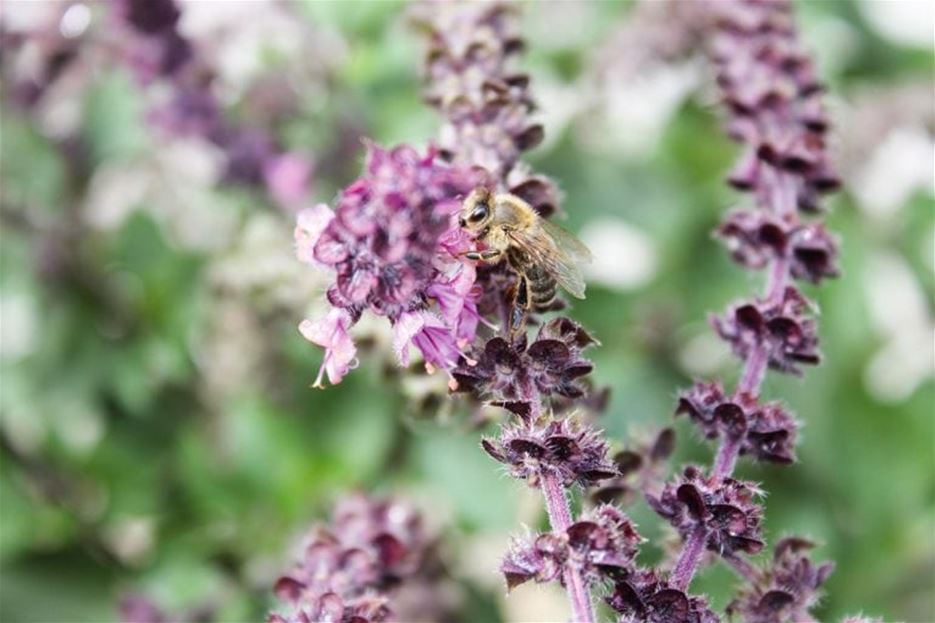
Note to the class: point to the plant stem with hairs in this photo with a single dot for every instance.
(769, 88)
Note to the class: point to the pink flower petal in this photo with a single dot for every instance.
(430, 335)
(310, 223)
(406, 327)
(331, 333)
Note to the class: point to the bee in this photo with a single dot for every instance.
(542, 254)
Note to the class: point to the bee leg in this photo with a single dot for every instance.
(486, 255)
(521, 301)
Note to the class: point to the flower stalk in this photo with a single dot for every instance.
(769, 88)
(556, 503)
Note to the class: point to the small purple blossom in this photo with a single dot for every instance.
(645, 597)
(770, 87)
(768, 431)
(602, 544)
(486, 104)
(725, 510)
(331, 333)
(567, 448)
(780, 328)
(368, 548)
(395, 250)
(551, 365)
(383, 241)
(436, 340)
(787, 589)
(755, 238)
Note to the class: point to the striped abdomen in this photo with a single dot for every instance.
(540, 286)
(542, 289)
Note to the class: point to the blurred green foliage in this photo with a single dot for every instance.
(121, 471)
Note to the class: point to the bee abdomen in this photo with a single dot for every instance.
(542, 289)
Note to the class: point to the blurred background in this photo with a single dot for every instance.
(158, 431)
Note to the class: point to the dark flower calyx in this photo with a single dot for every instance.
(768, 430)
(725, 509)
(566, 447)
(601, 544)
(786, 589)
(780, 327)
(645, 597)
(550, 365)
(754, 238)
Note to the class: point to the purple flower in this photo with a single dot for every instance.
(725, 509)
(369, 547)
(384, 239)
(645, 597)
(787, 589)
(552, 364)
(603, 543)
(768, 430)
(456, 297)
(755, 238)
(331, 333)
(780, 328)
(434, 339)
(486, 106)
(566, 447)
(395, 249)
(772, 93)
(541, 559)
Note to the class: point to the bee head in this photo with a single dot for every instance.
(476, 211)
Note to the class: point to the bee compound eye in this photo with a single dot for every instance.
(479, 213)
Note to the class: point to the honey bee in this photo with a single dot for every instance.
(542, 254)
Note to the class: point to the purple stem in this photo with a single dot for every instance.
(727, 456)
(556, 503)
(779, 199)
(753, 371)
(689, 558)
(778, 277)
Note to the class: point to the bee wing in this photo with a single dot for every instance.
(558, 251)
